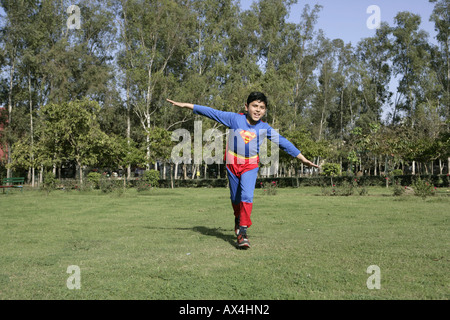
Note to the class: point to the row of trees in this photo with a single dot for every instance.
(95, 96)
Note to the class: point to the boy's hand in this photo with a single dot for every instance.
(306, 161)
(181, 104)
(311, 164)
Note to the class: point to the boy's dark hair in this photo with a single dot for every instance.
(257, 96)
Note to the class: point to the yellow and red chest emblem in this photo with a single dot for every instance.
(247, 136)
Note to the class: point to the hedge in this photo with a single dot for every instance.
(404, 180)
(295, 182)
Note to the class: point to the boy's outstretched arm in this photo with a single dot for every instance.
(222, 117)
(306, 161)
(181, 104)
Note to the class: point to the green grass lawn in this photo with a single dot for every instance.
(179, 244)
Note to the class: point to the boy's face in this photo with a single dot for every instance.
(255, 111)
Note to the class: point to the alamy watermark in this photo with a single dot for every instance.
(374, 21)
(374, 281)
(74, 280)
(74, 20)
(239, 143)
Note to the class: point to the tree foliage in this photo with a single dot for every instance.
(95, 96)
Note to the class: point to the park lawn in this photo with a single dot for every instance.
(179, 244)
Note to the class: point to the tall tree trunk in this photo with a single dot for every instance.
(322, 119)
(175, 175)
(8, 145)
(375, 167)
(172, 176)
(147, 112)
(447, 51)
(164, 170)
(342, 114)
(31, 129)
(194, 169)
(128, 124)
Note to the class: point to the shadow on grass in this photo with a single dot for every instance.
(212, 232)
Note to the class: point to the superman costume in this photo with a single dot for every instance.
(242, 156)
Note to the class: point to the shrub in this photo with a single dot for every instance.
(269, 189)
(69, 184)
(362, 189)
(398, 189)
(346, 188)
(423, 188)
(110, 185)
(151, 177)
(49, 182)
(94, 179)
(331, 169)
(142, 185)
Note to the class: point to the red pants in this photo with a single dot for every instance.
(242, 181)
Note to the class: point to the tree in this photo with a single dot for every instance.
(241, 57)
(276, 50)
(28, 69)
(156, 35)
(325, 95)
(340, 115)
(441, 19)
(305, 63)
(13, 33)
(70, 131)
(374, 71)
(441, 63)
(410, 56)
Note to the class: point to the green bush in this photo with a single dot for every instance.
(346, 187)
(363, 190)
(398, 189)
(151, 177)
(49, 182)
(142, 185)
(423, 188)
(69, 184)
(94, 179)
(269, 188)
(108, 185)
(397, 172)
(331, 169)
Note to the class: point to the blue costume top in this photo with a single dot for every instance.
(245, 139)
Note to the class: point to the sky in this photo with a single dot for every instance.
(347, 19)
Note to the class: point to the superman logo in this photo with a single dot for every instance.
(247, 136)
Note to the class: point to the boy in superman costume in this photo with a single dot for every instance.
(242, 156)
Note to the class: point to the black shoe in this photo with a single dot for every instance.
(242, 241)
